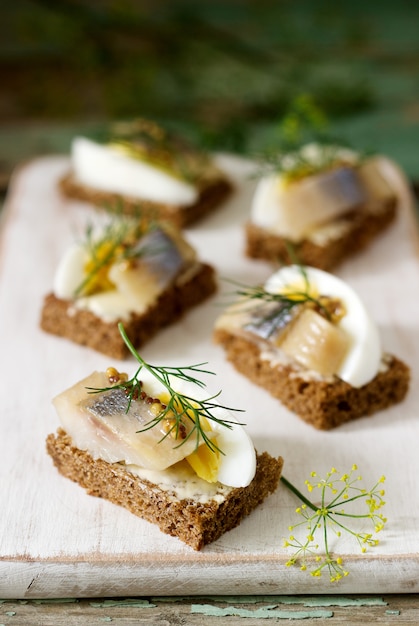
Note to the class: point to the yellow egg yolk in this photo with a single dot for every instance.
(299, 290)
(205, 461)
(97, 268)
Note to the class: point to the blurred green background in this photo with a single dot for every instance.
(222, 72)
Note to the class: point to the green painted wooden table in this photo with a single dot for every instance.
(386, 610)
(349, 55)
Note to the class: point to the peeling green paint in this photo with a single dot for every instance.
(262, 613)
(55, 601)
(342, 601)
(138, 603)
(392, 612)
(309, 601)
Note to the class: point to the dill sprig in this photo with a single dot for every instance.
(286, 301)
(117, 242)
(289, 300)
(297, 164)
(331, 517)
(113, 236)
(179, 409)
(304, 123)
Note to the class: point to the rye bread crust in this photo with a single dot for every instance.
(211, 196)
(194, 523)
(324, 405)
(60, 317)
(364, 226)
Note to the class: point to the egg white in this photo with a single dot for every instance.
(70, 271)
(107, 169)
(238, 462)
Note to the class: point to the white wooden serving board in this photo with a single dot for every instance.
(56, 541)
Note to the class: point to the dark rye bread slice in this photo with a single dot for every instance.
(212, 194)
(197, 524)
(322, 404)
(363, 227)
(62, 318)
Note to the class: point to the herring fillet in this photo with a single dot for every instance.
(101, 424)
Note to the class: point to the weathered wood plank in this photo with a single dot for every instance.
(56, 541)
(351, 610)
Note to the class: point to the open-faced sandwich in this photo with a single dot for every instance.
(322, 204)
(306, 337)
(146, 444)
(143, 165)
(143, 274)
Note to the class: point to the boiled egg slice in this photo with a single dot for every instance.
(109, 169)
(235, 465)
(363, 355)
(70, 271)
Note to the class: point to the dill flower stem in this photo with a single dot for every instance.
(326, 542)
(331, 507)
(298, 493)
(337, 502)
(351, 515)
(345, 528)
